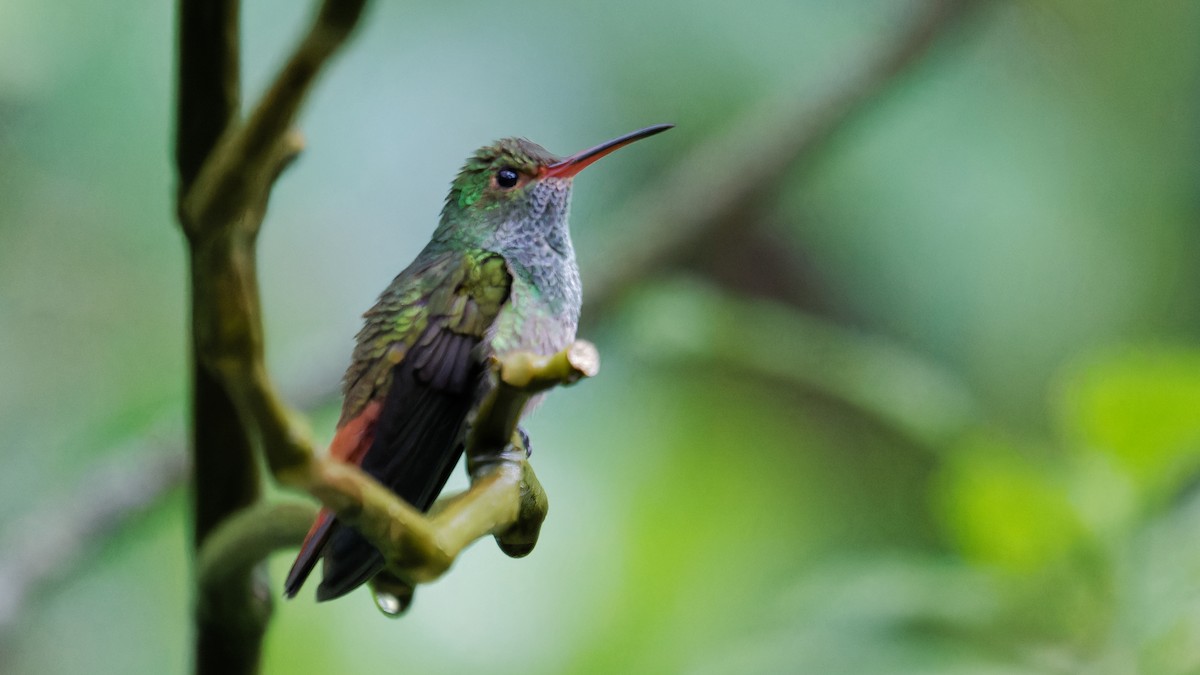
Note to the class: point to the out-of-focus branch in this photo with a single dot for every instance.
(209, 85)
(913, 397)
(224, 473)
(46, 544)
(718, 183)
(244, 540)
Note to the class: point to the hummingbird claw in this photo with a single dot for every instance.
(525, 442)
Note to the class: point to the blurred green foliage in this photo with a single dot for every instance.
(1009, 242)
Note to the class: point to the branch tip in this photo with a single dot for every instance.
(584, 359)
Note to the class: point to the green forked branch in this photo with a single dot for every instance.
(505, 498)
(227, 168)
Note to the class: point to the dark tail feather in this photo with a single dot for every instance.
(310, 552)
(352, 562)
(415, 450)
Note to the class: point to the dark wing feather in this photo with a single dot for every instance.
(427, 395)
(415, 449)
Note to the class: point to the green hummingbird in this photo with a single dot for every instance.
(498, 275)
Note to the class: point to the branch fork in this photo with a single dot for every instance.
(505, 499)
(227, 168)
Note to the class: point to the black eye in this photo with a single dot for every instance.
(506, 178)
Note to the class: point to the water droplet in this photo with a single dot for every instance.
(389, 604)
(394, 600)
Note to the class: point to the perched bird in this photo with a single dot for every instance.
(498, 275)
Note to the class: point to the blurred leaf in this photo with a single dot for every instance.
(1157, 624)
(1142, 408)
(1005, 510)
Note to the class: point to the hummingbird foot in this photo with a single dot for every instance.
(525, 442)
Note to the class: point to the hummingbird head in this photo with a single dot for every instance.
(514, 194)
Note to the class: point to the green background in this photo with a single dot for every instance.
(1001, 254)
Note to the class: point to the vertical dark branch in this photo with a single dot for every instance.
(225, 478)
(227, 169)
(208, 87)
(231, 620)
(224, 472)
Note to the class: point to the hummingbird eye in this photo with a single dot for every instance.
(507, 178)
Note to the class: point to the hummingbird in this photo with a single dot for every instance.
(498, 275)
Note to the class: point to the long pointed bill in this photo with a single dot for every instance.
(580, 160)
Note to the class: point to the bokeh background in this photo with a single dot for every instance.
(931, 404)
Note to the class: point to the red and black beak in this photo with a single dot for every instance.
(579, 161)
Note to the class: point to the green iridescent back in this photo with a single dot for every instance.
(500, 265)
